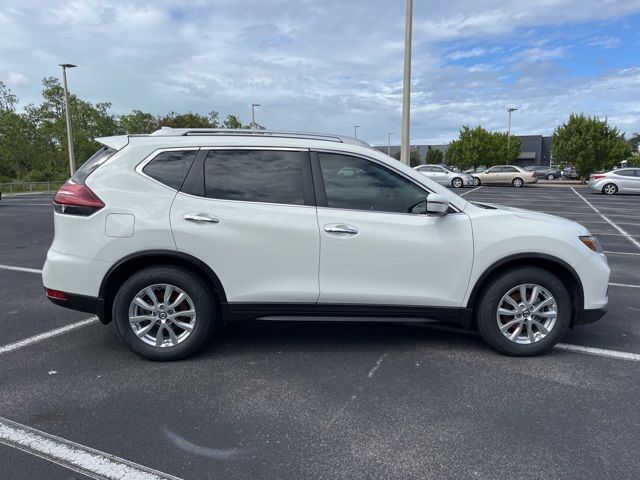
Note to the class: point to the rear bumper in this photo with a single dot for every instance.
(590, 316)
(82, 303)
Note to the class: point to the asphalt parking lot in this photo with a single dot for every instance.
(275, 400)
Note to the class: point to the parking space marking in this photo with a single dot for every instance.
(43, 336)
(601, 352)
(622, 232)
(620, 253)
(465, 193)
(76, 457)
(377, 365)
(20, 269)
(627, 285)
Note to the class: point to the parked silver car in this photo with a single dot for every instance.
(444, 176)
(623, 180)
(505, 174)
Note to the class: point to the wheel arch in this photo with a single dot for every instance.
(130, 264)
(558, 267)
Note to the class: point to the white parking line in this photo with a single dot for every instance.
(43, 336)
(622, 232)
(20, 269)
(76, 457)
(620, 253)
(477, 188)
(599, 351)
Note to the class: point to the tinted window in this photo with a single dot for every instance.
(438, 169)
(88, 167)
(424, 169)
(170, 167)
(374, 187)
(509, 169)
(255, 176)
(493, 170)
(626, 173)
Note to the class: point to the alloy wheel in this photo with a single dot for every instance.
(527, 313)
(162, 315)
(517, 183)
(457, 183)
(609, 189)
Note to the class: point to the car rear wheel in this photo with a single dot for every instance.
(551, 176)
(457, 183)
(524, 312)
(610, 189)
(517, 182)
(476, 182)
(164, 313)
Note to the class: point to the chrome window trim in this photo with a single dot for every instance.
(149, 158)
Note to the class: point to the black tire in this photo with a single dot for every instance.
(517, 182)
(498, 286)
(193, 286)
(610, 189)
(476, 182)
(457, 182)
(551, 176)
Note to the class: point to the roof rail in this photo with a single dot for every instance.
(171, 132)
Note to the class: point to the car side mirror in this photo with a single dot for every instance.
(437, 205)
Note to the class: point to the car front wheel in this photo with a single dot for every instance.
(476, 182)
(524, 312)
(551, 176)
(517, 182)
(164, 313)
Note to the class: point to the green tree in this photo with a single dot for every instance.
(434, 156)
(233, 122)
(189, 120)
(414, 157)
(634, 143)
(477, 146)
(138, 122)
(589, 144)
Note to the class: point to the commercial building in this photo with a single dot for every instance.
(534, 150)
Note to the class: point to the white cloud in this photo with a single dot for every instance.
(322, 64)
(16, 79)
(604, 42)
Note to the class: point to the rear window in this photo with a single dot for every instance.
(170, 167)
(88, 167)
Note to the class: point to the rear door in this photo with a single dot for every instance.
(626, 179)
(440, 175)
(249, 214)
(507, 174)
(376, 246)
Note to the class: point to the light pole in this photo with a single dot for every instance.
(406, 88)
(389, 143)
(355, 131)
(510, 109)
(253, 114)
(72, 158)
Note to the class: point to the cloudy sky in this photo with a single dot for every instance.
(326, 65)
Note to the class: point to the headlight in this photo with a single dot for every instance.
(591, 242)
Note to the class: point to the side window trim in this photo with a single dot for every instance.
(194, 183)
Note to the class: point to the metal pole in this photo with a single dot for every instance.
(509, 109)
(355, 131)
(72, 158)
(253, 114)
(389, 143)
(406, 89)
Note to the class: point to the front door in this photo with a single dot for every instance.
(250, 218)
(375, 251)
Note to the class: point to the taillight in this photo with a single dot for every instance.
(596, 177)
(76, 199)
(534, 174)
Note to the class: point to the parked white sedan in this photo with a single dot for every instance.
(623, 180)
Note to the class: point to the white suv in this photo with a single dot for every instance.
(171, 233)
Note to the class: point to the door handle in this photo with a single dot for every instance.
(341, 229)
(201, 218)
